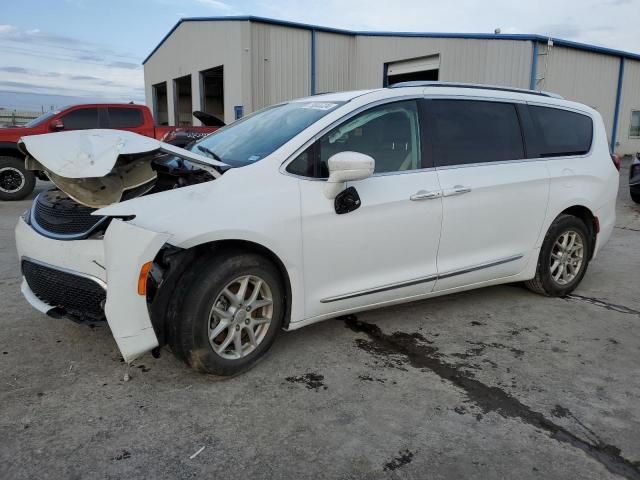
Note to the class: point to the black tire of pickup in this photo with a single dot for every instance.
(16, 182)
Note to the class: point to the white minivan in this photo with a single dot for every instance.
(311, 209)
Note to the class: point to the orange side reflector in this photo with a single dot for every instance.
(142, 279)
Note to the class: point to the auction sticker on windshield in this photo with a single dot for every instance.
(320, 106)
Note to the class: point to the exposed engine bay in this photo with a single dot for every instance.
(98, 168)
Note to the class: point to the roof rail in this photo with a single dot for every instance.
(478, 86)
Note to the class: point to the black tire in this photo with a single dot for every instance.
(635, 197)
(189, 337)
(16, 182)
(544, 282)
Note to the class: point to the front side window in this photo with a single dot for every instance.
(81, 119)
(469, 131)
(255, 136)
(560, 132)
(389, 133)
(634, 128)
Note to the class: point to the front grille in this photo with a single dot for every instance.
(57, 214)
(79, 297)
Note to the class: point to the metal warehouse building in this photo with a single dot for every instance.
(231, 66)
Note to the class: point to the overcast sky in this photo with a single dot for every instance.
(65, 51)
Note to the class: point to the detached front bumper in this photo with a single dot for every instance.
(93, 277)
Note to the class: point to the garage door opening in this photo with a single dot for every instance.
(415, 69)
(182, 101)
(160, 104)
(212, 91)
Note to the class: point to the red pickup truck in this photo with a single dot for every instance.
(16, 182)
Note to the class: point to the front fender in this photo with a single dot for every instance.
(127, 248)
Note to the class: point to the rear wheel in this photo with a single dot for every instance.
(635, 197)
(16, 182)
(564, 257)
(230, 315)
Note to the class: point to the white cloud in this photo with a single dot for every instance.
(216, 4)
(36, 61)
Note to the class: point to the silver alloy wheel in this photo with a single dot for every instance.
(240, 317)
(567, 256)
(11, 179)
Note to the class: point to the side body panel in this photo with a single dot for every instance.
(588, 180)
(388, 241)
(497, 221)
(255, 204)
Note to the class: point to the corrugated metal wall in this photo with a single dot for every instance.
(197, 46)
(498, 62)
(630, 101)
(281, 63)
(265, 64)
(335, 56)
(585, 77)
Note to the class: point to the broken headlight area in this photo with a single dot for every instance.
(57, 214)
(133, 176)
(97, 168)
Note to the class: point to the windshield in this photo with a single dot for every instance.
(260, 134)
(41, 118)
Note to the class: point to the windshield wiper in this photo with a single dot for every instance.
(213, 154)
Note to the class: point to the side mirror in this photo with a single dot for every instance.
(56, 125)
(347, 167)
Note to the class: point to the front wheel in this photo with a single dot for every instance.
(230, 315)
(564, 257)
(16, 182)
(635, 196)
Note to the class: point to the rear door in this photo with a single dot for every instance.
(494, 199)
(128, 118)
(386, 249)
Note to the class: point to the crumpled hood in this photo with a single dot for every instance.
(95, 167)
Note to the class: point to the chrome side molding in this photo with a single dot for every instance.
(417, 281)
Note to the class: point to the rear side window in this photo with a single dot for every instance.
(125, 117)
(468, 131)
(81, 119)
(559, 133)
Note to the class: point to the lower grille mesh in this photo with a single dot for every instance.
(81, 298)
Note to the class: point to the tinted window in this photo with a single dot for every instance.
(465, 131)
(559, 132)
(389, 133)
(125, 117)
(81, 119)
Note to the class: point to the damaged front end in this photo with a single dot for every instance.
(81, 264)
(98, 168)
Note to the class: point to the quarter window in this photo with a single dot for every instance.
(125, 117)
(468, 131)
(81, 119)
(389, 133)
(634, 129)
(559, 132)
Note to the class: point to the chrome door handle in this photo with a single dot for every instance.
(424, 195)
(457, 190)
